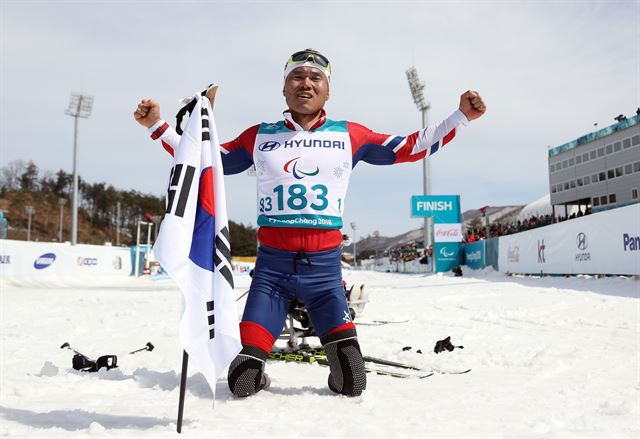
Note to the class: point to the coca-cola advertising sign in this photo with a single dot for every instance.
(447, 232)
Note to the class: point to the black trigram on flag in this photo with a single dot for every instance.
(183, 187)
(223, 255)
(206, 136)
(212, 319)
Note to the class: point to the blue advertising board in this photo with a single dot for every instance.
(475, 255)
(447, 255)
(445, 209)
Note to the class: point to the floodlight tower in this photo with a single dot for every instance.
(79, 106)
(417, 86)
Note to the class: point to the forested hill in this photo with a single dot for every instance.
(22, 185)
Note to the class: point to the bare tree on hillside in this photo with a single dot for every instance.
(11, 173)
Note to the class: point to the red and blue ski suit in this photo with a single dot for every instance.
(302, 181)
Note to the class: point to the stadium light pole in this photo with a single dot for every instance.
(61, 203)
(79, 106)
(417, 86)
(118, 224)
(30, 211)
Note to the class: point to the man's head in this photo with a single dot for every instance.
(308, 58)
(306, 81)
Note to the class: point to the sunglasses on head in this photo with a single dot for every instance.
(312, 55)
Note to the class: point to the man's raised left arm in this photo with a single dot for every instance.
(385, 149)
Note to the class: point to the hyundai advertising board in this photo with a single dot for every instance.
(601, 243)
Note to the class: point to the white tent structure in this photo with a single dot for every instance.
(542, 206)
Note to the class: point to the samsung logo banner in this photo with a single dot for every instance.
(48, 259)
(44, 261)
(444, 208)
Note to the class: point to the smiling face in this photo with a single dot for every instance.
(306, 90)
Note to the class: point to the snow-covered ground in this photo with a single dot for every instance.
(551, 357)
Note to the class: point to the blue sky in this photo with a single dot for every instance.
(547, 70)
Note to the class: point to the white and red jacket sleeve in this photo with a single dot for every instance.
(237, 155)
(385, 149)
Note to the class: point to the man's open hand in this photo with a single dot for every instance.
(472, 105)
(147, 113)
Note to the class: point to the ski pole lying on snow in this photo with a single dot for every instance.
(148, 347)
(68, 346)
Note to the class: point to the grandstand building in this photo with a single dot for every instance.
(598, 171)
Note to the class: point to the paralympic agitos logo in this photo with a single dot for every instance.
(298, 174)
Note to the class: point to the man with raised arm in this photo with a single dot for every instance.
(303, 164)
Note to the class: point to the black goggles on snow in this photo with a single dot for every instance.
(85, 364)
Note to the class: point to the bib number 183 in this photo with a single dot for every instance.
(296, 198)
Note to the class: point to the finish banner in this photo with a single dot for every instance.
(445, 209)
(447, 229)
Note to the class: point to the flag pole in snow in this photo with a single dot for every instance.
(183, 387)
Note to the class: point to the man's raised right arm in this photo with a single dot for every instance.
(148, 115)
(237, 155)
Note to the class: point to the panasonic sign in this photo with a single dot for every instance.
(630, 243)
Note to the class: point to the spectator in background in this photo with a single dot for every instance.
(470, 236)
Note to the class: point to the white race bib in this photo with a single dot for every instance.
(302, 175)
